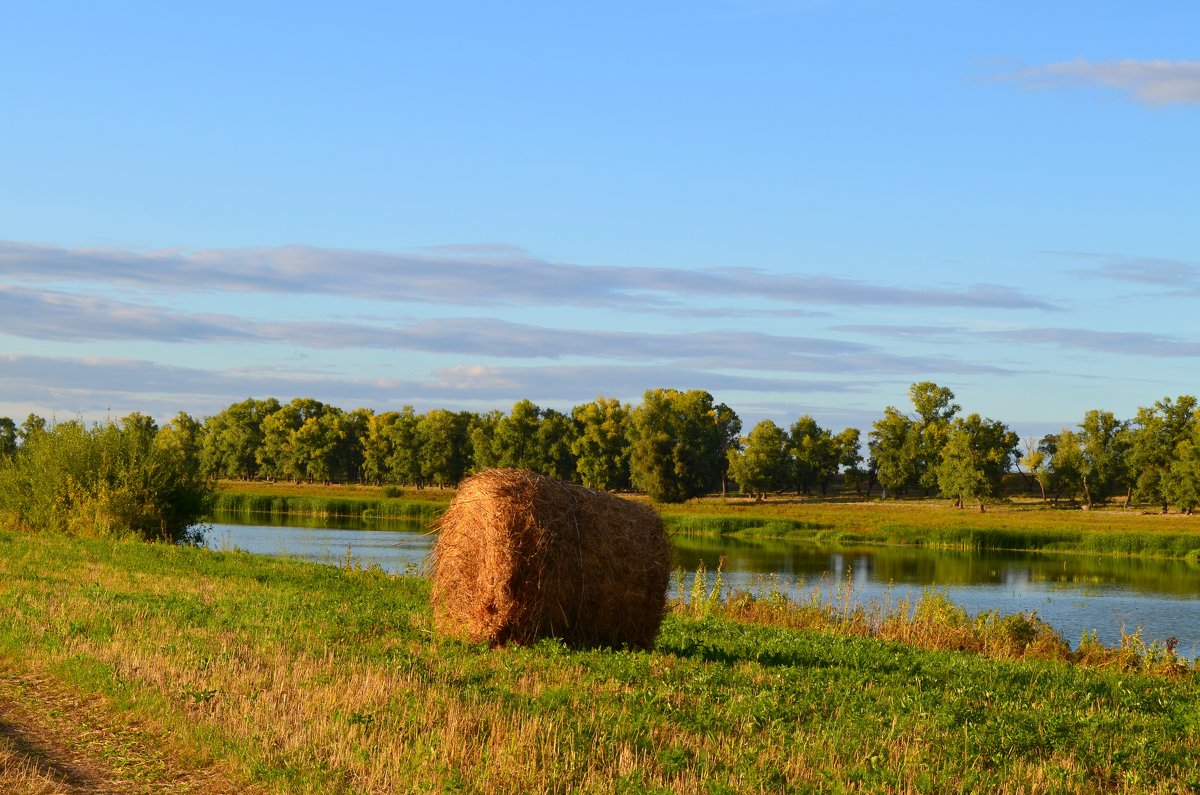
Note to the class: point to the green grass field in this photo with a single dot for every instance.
(293, 677)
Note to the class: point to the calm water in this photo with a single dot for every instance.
(1075, 593)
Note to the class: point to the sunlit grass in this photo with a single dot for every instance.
(310, 678)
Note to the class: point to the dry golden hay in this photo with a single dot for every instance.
(520, 557)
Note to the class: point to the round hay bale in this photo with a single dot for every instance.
(520, 557)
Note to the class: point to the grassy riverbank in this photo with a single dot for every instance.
(367, 502)
(936, 523)
(296, 677)
(1026, 525)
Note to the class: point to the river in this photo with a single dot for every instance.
(1075, 593)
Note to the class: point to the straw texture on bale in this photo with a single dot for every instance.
(521, 557)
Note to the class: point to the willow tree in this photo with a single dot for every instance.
(677, 442)
(601, 445)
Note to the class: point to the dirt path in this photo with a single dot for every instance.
(55, 742)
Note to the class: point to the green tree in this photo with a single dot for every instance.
(443, 446)
(318, 449)
(233, 437)
(763, 466)
(482, 437)
(935, 408)
(184, 437)
(1104, 444)
(893, 441)
(601, 445)
(32, 426)
(278, 456)
(1154, 437)
(555, 435)
(974, 459)
(515, 441)
(1037, 460)
(847, 447)
(403, 434)
(676, 440)
(114, 479)
(8, 437)
(377, 449)
(350, 432)
(729, 429)
(814, 457)
(1181, 485)
(1067, 463)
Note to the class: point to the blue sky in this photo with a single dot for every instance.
(802, 206)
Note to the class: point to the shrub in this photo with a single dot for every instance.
(107, 480)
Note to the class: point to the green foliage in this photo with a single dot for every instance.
(677, 441)
(1156, 436)
(8, 437)
(515, 441)
(601, 445)
(814, 455)
(763, 466)
(1104, 443)
(109, 479)
(233, 438)
(975, 457)
(894, 443)
(1181, 482)
(443, 440)
(553, 442)
(847, 448)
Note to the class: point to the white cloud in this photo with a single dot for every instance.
(1121, 343)
(469, 276)
(1154, 82)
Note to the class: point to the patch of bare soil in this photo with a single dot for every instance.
(55, 742)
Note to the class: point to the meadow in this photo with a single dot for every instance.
(202, 670)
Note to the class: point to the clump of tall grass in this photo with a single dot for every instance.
(929, 621)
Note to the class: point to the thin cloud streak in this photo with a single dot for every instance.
(1151, 271)
(489, 276)
(63, 317)
(1121, 343)
(95, 384)
(1155, 82)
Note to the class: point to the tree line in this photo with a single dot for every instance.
(676, 445)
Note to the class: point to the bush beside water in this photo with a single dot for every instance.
(110, 479)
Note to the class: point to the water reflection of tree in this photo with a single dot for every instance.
(915, 566)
